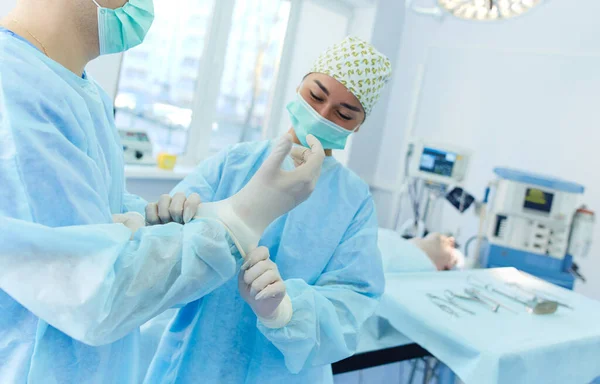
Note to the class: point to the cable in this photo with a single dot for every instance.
(409, 153)
(468, 243)
(412, 191)
(482, 222)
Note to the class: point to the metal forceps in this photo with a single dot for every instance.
(534, 306)
(451, 297)
(488, 287)
(538, 295)
(441, 303)
(474, 295)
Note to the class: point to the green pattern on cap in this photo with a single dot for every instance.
(359, 67)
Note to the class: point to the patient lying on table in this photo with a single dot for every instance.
(435, 251)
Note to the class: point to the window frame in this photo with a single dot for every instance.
(208, 84)
(212, 64)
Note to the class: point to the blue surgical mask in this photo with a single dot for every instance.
(124, 28)
(306, 120)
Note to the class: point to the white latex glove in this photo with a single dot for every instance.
(177, 209)
(131, 220)
(440, 250)
(261, 286)
(272, 192)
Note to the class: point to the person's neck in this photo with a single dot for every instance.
(58, 37)
(328, 152)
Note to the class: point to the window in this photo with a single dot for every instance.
(251, 64)
(159, 80)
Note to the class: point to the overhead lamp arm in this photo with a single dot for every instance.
(434, 11)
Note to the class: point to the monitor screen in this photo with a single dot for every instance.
(437, 162)
(141, 137)
(538, 200)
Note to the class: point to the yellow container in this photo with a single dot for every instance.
(166, 161)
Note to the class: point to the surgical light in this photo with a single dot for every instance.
(487, 9)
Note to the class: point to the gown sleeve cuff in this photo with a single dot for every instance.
(282, 315)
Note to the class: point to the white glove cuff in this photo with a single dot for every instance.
(282, 315)
(132, 220)
(244, 238)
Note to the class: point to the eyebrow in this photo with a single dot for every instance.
(322, 87)
(350, 107)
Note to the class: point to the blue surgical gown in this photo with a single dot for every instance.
(73, 288)
(326, 250)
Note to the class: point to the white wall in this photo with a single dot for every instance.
(305, 45)
(150, 189)
(105, 70)
(386, 37)
(521, 93)
(362, 22)
(6, 6)
(361, 25)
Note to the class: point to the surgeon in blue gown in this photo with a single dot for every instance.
(74, 286)
(325, 250)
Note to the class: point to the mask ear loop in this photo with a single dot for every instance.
(97, 5)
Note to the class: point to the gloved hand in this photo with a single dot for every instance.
(271, 193)
(261, 286)
(131, 220)
(440, 250)
(176, 209)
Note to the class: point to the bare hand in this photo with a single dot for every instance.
(440, 249)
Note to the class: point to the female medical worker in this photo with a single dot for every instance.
(74, 288)
(328, 274)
